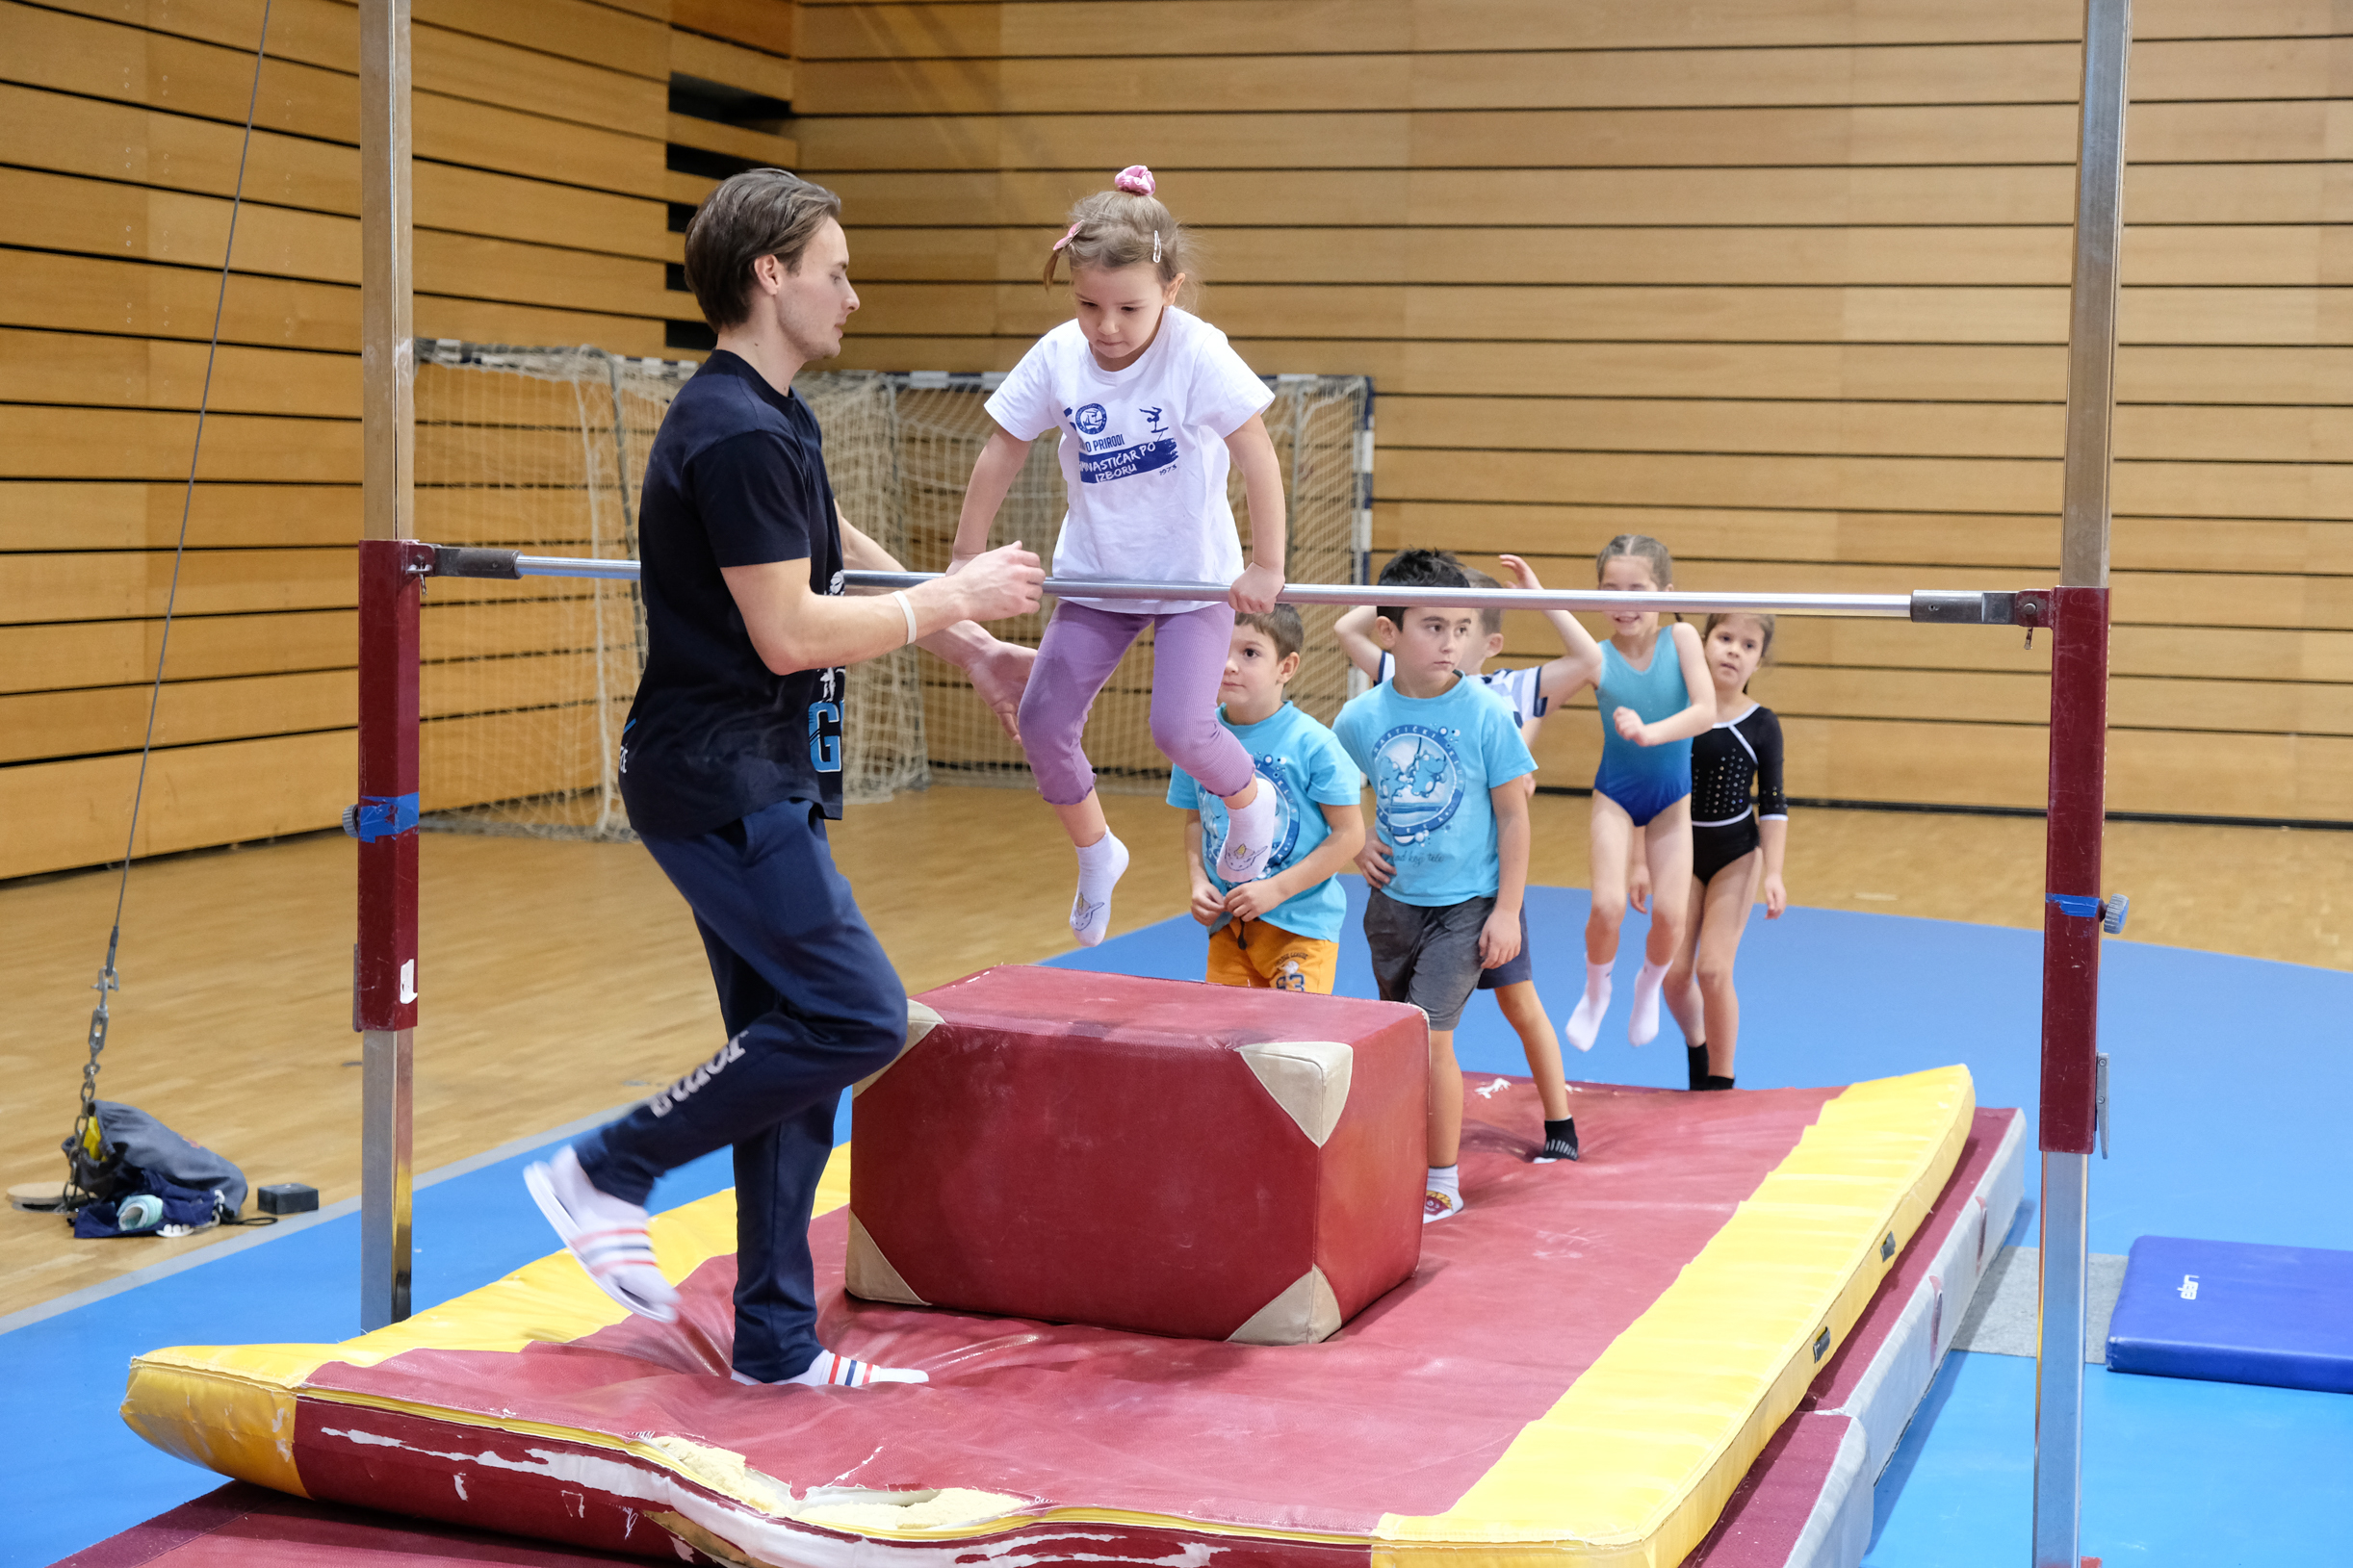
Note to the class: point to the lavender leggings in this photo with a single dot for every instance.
(1081, 650)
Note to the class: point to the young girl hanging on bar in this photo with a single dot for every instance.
(1654, 696)
(1152, 405)
(1736, 846)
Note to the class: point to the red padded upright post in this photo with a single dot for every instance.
(391, 594)
(2071, 918)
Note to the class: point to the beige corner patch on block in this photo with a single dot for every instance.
(920, 1022)
(1305, 1312)
(1309, 1078)
(868, 1274)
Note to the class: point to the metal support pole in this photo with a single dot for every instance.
(384, 1000)
(2079, 752)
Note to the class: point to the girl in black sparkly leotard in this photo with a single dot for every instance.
(1737, 845)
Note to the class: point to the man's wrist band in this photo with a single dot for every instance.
(906, 609)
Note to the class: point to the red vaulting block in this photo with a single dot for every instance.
(1146, 1154)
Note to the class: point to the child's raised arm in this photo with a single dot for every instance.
(1354, 630)
(1563, 678)
(993, 474)
(1253, 452)
(1694, 719)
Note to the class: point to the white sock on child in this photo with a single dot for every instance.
(1444, 1196)
(1250, 832)
(1101, 866)
(831, 1370)
(1643, 1027)
(1584, 1026)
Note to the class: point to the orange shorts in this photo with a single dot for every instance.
(1268, 958)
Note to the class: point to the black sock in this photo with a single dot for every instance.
(1716, 1080)
(1560, 1139)
(1696, 1056)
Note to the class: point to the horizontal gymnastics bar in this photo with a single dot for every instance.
(1968, 608)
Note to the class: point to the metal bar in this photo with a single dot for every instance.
(1891, 606)
(2079, 754)
(385, 993)
(1967, 607)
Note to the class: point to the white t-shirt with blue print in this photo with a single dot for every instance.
(1308, 771)
(1432, 762)
(1144, 458)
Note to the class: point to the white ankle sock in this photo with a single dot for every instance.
(1643, 1027)
(1250, 832)
(1101, 866)
(831, 1370)
(1584, 1026)
(1443, 1193)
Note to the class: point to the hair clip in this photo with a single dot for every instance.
(1135, 179)
(1067, 235)
(1156, 247)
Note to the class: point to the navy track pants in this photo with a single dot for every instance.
(812, 1005)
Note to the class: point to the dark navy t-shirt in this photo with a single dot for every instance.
(736, 477)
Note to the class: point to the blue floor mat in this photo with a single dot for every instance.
(2236, 1312)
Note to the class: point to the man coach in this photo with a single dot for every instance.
(731, 762)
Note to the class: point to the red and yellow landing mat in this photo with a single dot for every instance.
(1586, 1363)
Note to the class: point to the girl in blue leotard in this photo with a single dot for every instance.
(1654, 695)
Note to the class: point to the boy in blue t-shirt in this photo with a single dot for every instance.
(1531, 692)
(1283, 931)
(1446, 763)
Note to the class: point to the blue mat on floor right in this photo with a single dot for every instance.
(2236, 1312)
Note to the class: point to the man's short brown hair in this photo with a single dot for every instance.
(760, 212)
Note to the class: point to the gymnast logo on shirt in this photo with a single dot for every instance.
(1417, 783)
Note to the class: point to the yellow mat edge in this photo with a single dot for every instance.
(1515, 1516)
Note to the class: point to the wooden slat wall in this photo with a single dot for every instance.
(540, 130)
(1784, 285)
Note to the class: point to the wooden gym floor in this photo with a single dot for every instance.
(562, 979)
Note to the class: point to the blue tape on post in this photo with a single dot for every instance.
(382, 816)
(2079, 905)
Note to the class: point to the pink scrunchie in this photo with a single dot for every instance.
(1135, 179)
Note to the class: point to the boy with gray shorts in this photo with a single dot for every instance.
(1445, 760)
